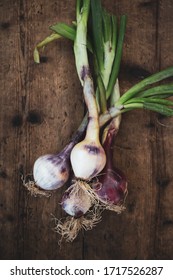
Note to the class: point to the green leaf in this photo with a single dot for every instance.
(68, 32)
(97, 32)
(117, 60)
(150, 100)
(159, 101)
(107, 26)
(159, 108)
(64, 30)
(42, 44)
(157, 91)
(168, 72)
(114, 31)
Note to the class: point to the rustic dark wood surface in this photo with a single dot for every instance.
(41, 106)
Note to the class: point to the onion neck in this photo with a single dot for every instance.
(108, 139)
(92, 132)
(80, 131)
(108, 146)
(75, 138)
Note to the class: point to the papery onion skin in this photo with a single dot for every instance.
(75, 202)
(51, 171)
(111, 187)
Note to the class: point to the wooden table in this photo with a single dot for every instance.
(42, 105)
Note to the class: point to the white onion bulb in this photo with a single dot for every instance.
(87, 159)
(51, 171)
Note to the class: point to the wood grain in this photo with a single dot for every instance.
(42, 105)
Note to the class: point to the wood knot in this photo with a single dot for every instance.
(163, 182)
(43, 59)
(17, 120)
(3, 174)
(5, 25)
(34, 117)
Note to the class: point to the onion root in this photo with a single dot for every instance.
(33, 189)
(70, 228)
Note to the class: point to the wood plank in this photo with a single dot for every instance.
(163, 145)
(38, 116)
(41, 106)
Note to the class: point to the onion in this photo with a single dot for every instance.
(111, 184)
(76, 201)
(52, 171)
(79, 204)
(88, 157)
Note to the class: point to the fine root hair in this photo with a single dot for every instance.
(71, 226)
(33, 189)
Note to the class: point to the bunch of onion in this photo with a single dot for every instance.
(88, 158)
(52, 171)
